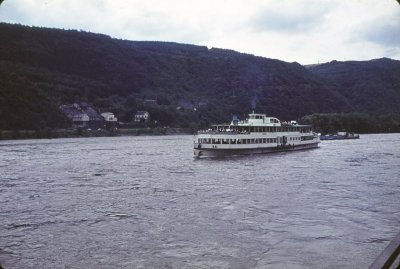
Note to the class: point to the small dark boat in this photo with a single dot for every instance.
(339, 136)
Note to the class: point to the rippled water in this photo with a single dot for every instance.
(144, 202)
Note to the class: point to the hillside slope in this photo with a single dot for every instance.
(59, 66)
(371, 86)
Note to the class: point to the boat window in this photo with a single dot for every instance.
(307, 137)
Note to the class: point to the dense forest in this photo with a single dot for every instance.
(183, 85)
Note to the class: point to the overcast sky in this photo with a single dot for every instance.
(305, 31)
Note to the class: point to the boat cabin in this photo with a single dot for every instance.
(257, 119)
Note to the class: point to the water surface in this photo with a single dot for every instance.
(145, 202)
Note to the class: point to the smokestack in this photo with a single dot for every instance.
(254, 102)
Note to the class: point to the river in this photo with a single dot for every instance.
(145, 202)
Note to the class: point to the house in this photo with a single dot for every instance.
(78, 117)
(141, 116)
(109, 117)
(83, 115)
(150, 102)
(95, 119)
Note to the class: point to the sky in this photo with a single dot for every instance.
(303, 31)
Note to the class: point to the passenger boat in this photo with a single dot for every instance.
(339, 136)
(256, 134)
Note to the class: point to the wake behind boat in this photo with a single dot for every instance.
(257, 134)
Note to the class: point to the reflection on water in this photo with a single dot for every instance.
(144, 202)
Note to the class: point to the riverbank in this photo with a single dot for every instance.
(70, 133)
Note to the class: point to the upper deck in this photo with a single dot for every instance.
(257, 123)
(258, 120)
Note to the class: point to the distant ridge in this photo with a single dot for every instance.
(42, 68)
(371, 86)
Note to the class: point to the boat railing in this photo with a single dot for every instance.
(233, 132)
(388, 256)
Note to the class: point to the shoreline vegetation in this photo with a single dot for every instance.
(48, 133)
(76, 133)
(324, 123)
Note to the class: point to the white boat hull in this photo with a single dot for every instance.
(221, 152)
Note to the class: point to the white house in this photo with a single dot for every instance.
(109, 117)
(142, 116)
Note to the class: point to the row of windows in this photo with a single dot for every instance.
(251, 141)
(244, 141)
(308, 137)
(265, 129)
(237, 141)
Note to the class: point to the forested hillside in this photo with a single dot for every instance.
(192, 86)
(372, 86)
